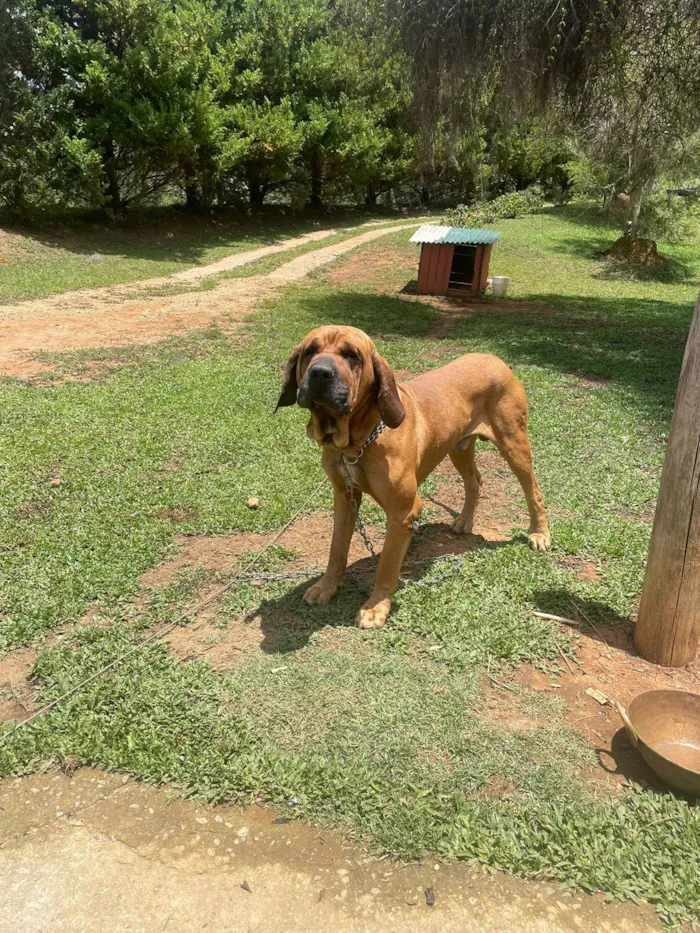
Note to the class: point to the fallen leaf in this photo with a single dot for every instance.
(283, 819)
(429, 897)
(55, 482)
(246, 887)
(253, 502)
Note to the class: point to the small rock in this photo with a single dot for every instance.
(253, 502)
(429, 897)
(246, 887)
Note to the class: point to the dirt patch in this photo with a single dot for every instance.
(606, 662)
(386, 273)
(309, 538)
(33, 509)
(584, 569)
(502, 710)
(175, 514)
(16, 699)
(635, 251)
(587, 381)
(103, 318)
(499, 787)
(458, 307)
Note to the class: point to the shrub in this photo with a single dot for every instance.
(505, 207)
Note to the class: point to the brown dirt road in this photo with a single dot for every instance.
(114, 317)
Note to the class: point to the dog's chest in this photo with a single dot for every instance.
(354, 475)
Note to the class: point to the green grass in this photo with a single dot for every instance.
(52, 256)
(383, 734)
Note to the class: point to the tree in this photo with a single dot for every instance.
(638, 110)
(625, 72)
(120, 98)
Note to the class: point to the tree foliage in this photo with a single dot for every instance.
(116, 103)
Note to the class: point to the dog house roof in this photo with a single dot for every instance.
(432, 233)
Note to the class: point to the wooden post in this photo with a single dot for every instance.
(668, 627)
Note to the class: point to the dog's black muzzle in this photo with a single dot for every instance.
(322, 385)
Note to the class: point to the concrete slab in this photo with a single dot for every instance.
(100, 854)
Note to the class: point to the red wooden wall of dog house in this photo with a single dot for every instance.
(434, 268)
(484, 270)
(438, 244)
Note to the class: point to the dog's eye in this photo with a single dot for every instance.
(351, 355)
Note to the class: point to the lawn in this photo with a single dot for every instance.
(53, 256)
(386, 735)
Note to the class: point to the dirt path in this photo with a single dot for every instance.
(98, 852)
(105, 317)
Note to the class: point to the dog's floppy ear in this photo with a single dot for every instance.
(388, 398)
(288, 396)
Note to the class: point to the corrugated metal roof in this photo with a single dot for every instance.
(432, 233)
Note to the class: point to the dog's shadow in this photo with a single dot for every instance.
(287, 623)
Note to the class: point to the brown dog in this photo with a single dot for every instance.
(351, 393)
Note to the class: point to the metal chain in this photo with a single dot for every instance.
(359, 525)
(354, 505)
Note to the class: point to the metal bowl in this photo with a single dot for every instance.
(664, 725)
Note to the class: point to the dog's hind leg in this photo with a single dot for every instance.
(509, 425)
(465, 463)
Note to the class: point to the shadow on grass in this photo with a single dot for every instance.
(287, 623)
(633, 342)
(673, 271)
(172, 235)
(564, 602)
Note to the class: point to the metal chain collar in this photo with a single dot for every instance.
(349, 486)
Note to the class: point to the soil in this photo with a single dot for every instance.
(500, 508)
(16, 696)
(94, 853)
(606, 662)
(635, 251)
(105, 317)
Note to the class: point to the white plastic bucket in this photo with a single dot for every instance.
(499, 286)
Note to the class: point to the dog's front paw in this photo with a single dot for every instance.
(539, 540)
(373, 616)
(320, 593)
(462, 526)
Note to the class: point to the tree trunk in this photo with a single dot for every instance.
(256, 190)
(637, 193)
(371, 195)
(668, 626)
(193, 197)
(110, 169)
(316, 199)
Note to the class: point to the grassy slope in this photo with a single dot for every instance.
(52, 256)
(383, 735)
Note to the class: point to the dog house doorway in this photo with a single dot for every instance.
(462, 269)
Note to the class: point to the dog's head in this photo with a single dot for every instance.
(335, 372)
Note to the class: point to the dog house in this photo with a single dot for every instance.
(453, 260)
